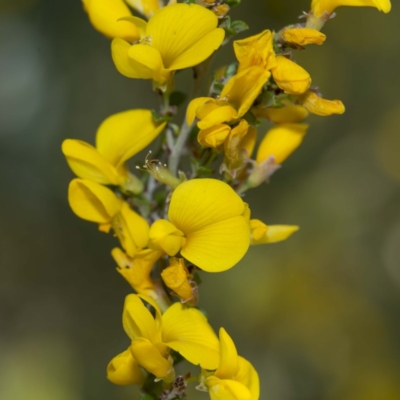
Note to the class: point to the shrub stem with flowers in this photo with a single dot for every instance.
(182, 213)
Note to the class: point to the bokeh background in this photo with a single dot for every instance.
(318, 315)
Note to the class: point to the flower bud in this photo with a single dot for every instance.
(319, 106)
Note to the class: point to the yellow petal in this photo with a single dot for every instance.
(123, 369)
(146, 61)
(125, 134)
(255, 50)
(200, 51)
(303, 36)
(232, 146)
(146, 7)
(318, 7)
(104, 16)
(87, 163)
(140, 24)
(319, 106)
(288, 114)
(248, 376)
(191, 23)
(290, 77)
(220, 114)
(281, 141)
(149, 358)
(187, 331)
(193, 106)
(242, 89)
(92, 202)
(176, 277)
(258, 229)
(132, 229)
(165, 236)
(214, 248)
(119, 52)
(229, 363)
(214, 136)
(137, 270)
(138, 321)
(275, 233)
(249, 141)
(226, 389)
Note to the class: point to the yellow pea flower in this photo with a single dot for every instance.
(124, 370)
(319, 7)
(105, 17)
(288, 114)
(261, 233)
(290, 77)
(146, 7)
(255, 50)
(303, 36)
(203, 214)
(281, 141)
(278, 144)
(96, 203)
(137, 269)
(118, 138)
(176, 37)
(319, 106)
(177, 278)
(235, 378)
(235, 100)
(182, 329)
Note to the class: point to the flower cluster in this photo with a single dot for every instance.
(171, 224)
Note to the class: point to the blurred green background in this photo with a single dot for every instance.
(317, 315)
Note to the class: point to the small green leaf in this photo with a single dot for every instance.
(160, 118)
(233, 3)
(177, 98)
(239, 26)
(226, 23)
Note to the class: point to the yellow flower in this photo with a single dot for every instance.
(281, 141)
(235, 100)
(96, 203)
(176, 37)
(303, 36)
(290, 77)
(137, 269)
(118, 138)
(319, 106)
(288, 114)
(177, 278)
(125, 370)
(235, 378)
(278, 144)
(182, 329)
(105, 16)
(261, 233)
(203, 214)
(319, 7)
(146, 7)
(256, 50)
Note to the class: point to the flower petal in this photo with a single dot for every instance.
(149, 358)
(214, 136)
(119, 52)
(318, 7)
(248, 376)
(92, 202)
(123, 369)
(178, 27)
(193, 106)
(125, 134)
(132, 229)
(281, 141)
(138, 321)
(218, 247)
(199, 51)
(242, 89)
(104, 16)
(87, 163)
(217, 116)
(226, 389)
(147, 61)
(201, 202)
(165, 236)
(187, 331)
(229, 363)
(275, 234)
(319, 106)
(146, 7)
